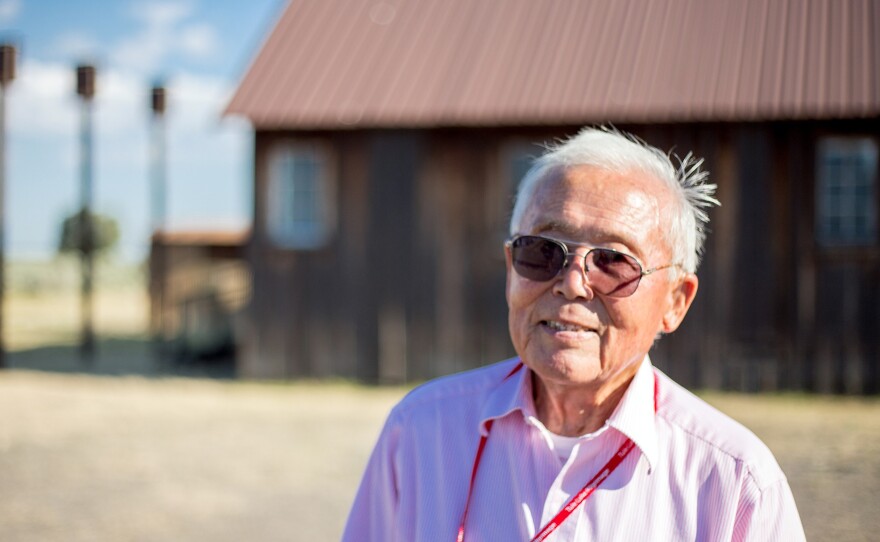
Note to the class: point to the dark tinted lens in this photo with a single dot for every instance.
(536, 258)
(613, 273)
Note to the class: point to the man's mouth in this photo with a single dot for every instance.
(563, 326)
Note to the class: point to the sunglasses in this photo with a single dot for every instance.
(610, 272)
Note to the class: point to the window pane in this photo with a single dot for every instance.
(299, 197)
(846, 192)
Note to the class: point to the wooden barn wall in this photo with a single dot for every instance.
(302, 320)
(460, 225)
(842, 320)
(412, 285)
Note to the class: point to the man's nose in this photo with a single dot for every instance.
(573, 281)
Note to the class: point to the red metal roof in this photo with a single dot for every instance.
(347, 63)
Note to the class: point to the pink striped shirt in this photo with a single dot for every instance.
(695, 474)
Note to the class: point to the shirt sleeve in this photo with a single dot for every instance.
(373, 515)
(770, 515)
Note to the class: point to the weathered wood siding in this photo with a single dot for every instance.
(412, 285)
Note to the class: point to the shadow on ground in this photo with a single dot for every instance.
(121, 356)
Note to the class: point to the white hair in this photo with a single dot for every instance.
(622, 153)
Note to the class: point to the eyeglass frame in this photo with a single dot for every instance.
(570, 255)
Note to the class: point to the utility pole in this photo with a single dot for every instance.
(7, 74)
(85, 88)
(158, 199)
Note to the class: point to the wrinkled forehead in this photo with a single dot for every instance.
(606, 206)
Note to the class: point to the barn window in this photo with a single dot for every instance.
(301, 212)
(846, 192)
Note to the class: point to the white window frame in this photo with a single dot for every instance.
(306, 223)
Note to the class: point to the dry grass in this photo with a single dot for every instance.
(42, 304)
(36, 320)
(129, 459)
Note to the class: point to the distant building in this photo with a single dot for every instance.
(390, 137)
(199, 286)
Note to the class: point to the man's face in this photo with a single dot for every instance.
(563, 330)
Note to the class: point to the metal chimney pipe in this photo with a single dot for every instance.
(85, 89)
(7, 74)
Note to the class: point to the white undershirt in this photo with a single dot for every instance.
(563, 446)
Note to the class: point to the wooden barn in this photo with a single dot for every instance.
(390, 136)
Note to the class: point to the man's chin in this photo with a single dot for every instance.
(566, 367)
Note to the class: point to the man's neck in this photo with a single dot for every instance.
(571, 410)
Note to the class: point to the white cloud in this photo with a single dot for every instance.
(162, 14)
(121, 105)
(42, 100)
(199, 40)
(198, 101)
(9, 10)
(143, 52)
(164, 33)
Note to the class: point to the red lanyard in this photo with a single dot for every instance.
(575, 501)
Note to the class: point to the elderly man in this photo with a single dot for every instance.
(579, 437)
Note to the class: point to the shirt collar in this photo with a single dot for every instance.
(512, 394)
(634, 415)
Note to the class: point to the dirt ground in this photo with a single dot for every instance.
(131, 459)
(85, 458)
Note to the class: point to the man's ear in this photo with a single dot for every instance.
(681, 297)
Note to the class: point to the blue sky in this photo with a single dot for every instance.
(199, 48)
